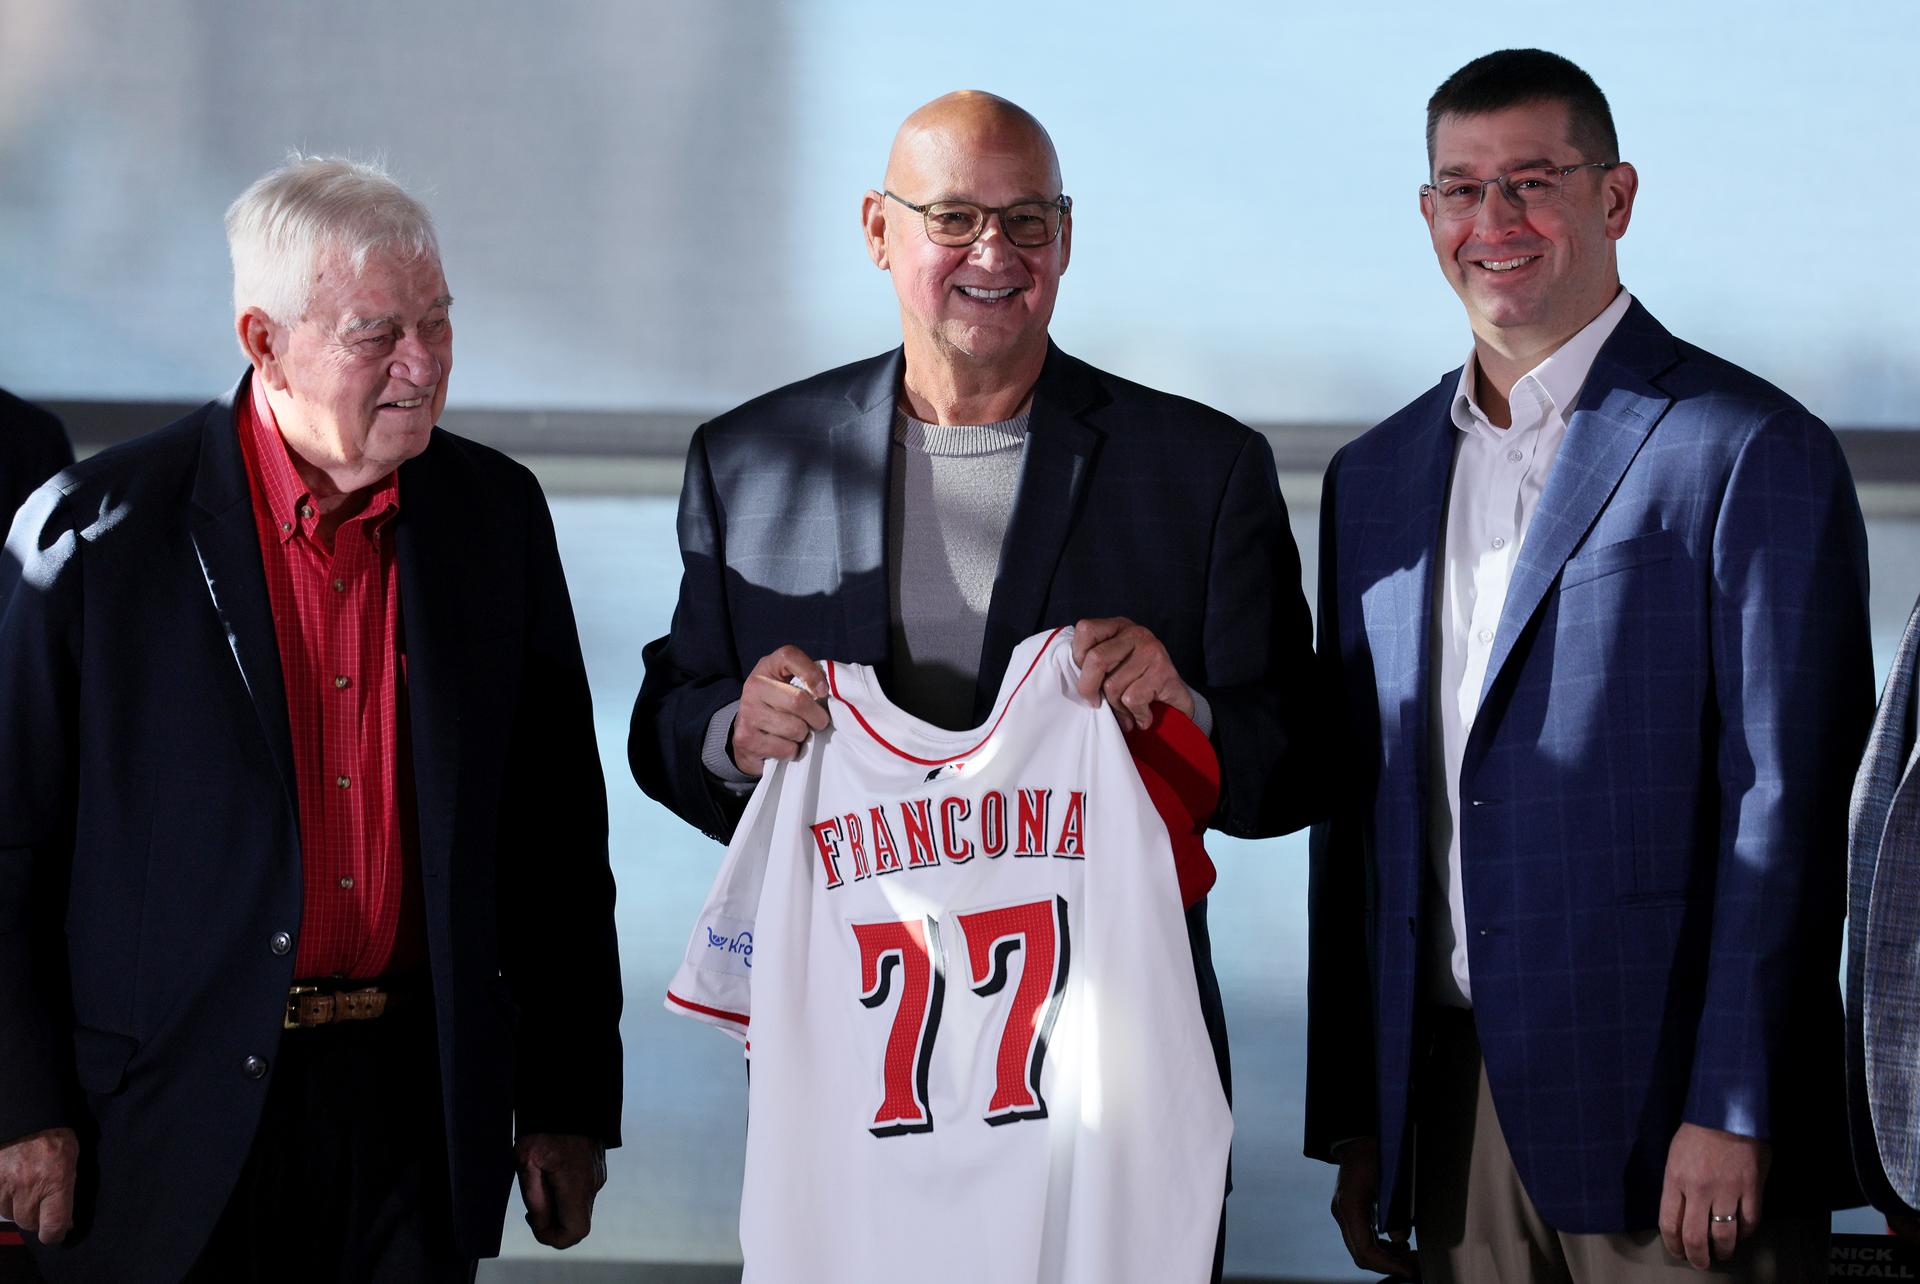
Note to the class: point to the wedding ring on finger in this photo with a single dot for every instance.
(1721, 1219)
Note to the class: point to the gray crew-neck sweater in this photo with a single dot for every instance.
(950, 497)
(951, 489)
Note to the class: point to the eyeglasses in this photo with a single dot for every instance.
(1028, 225)
(1531, 188)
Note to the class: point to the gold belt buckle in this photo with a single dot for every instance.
(290, 1019)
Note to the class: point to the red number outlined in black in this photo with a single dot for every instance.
(1037, 931)
(911, 948)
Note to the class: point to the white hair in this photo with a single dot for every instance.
(308, 206)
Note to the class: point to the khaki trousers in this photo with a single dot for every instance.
(1474, 1223)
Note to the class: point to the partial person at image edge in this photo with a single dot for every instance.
(1883, 975)
(33, 447)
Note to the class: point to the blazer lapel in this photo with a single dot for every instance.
(228, 546)
(859, 444)
(1901, 716)
(1617, 409)
(1059, 460)
(434, 638)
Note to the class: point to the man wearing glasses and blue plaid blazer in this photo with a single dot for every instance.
(1595, 611)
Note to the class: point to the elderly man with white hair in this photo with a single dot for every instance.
(305, 911)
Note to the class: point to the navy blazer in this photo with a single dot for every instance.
(1132, 502)
(1654, 793)
(150, 848)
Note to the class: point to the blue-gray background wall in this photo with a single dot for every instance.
(652, 204)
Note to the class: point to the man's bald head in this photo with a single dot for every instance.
(981, 304)
(968, 122)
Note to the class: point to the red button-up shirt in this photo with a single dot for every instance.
(336, 617)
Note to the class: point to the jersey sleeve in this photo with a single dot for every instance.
(1181, 772)
(714, 982)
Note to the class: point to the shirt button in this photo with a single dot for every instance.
(285, 527)
(346, 884)
(1486, 635)
(339, 586)
(306, 510)
(342, 781)
(339, 681)
(254, 1067)
(1514, 456)
(1499, 541)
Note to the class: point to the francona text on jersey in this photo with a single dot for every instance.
(949, 829)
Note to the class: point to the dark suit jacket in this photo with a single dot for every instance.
(150, 851)
(1653, 795)
(1132, 502)
(33, 447)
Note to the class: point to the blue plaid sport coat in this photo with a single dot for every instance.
(1883, 958)
(1653, 795)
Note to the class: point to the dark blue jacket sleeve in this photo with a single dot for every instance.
(692, 672)
(1265, 722)
(39, 667)
(1793, 665)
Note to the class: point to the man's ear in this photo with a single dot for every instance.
(873, 225)
(1621, 185)
(262, 341)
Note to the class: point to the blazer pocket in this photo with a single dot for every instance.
(100, 1059)
(1621, 555)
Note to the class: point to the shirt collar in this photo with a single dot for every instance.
(289, 500)
(1550, 387)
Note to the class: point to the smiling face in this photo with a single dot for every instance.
(1530, 278)
(988, 303)
(358, 384)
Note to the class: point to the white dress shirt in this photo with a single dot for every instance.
(1498, 477)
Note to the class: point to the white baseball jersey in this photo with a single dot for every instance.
(963, 966)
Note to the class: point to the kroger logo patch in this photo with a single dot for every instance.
(723, 944)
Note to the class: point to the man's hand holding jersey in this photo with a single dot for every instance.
(783, 699)
(776, 716)
(1129, 666)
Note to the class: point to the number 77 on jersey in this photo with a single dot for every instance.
(910, 952)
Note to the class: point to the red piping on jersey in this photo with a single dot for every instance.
(834, 686)
(704, 1010)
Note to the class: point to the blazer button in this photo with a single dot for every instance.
(254, 1067)
(280, 943)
